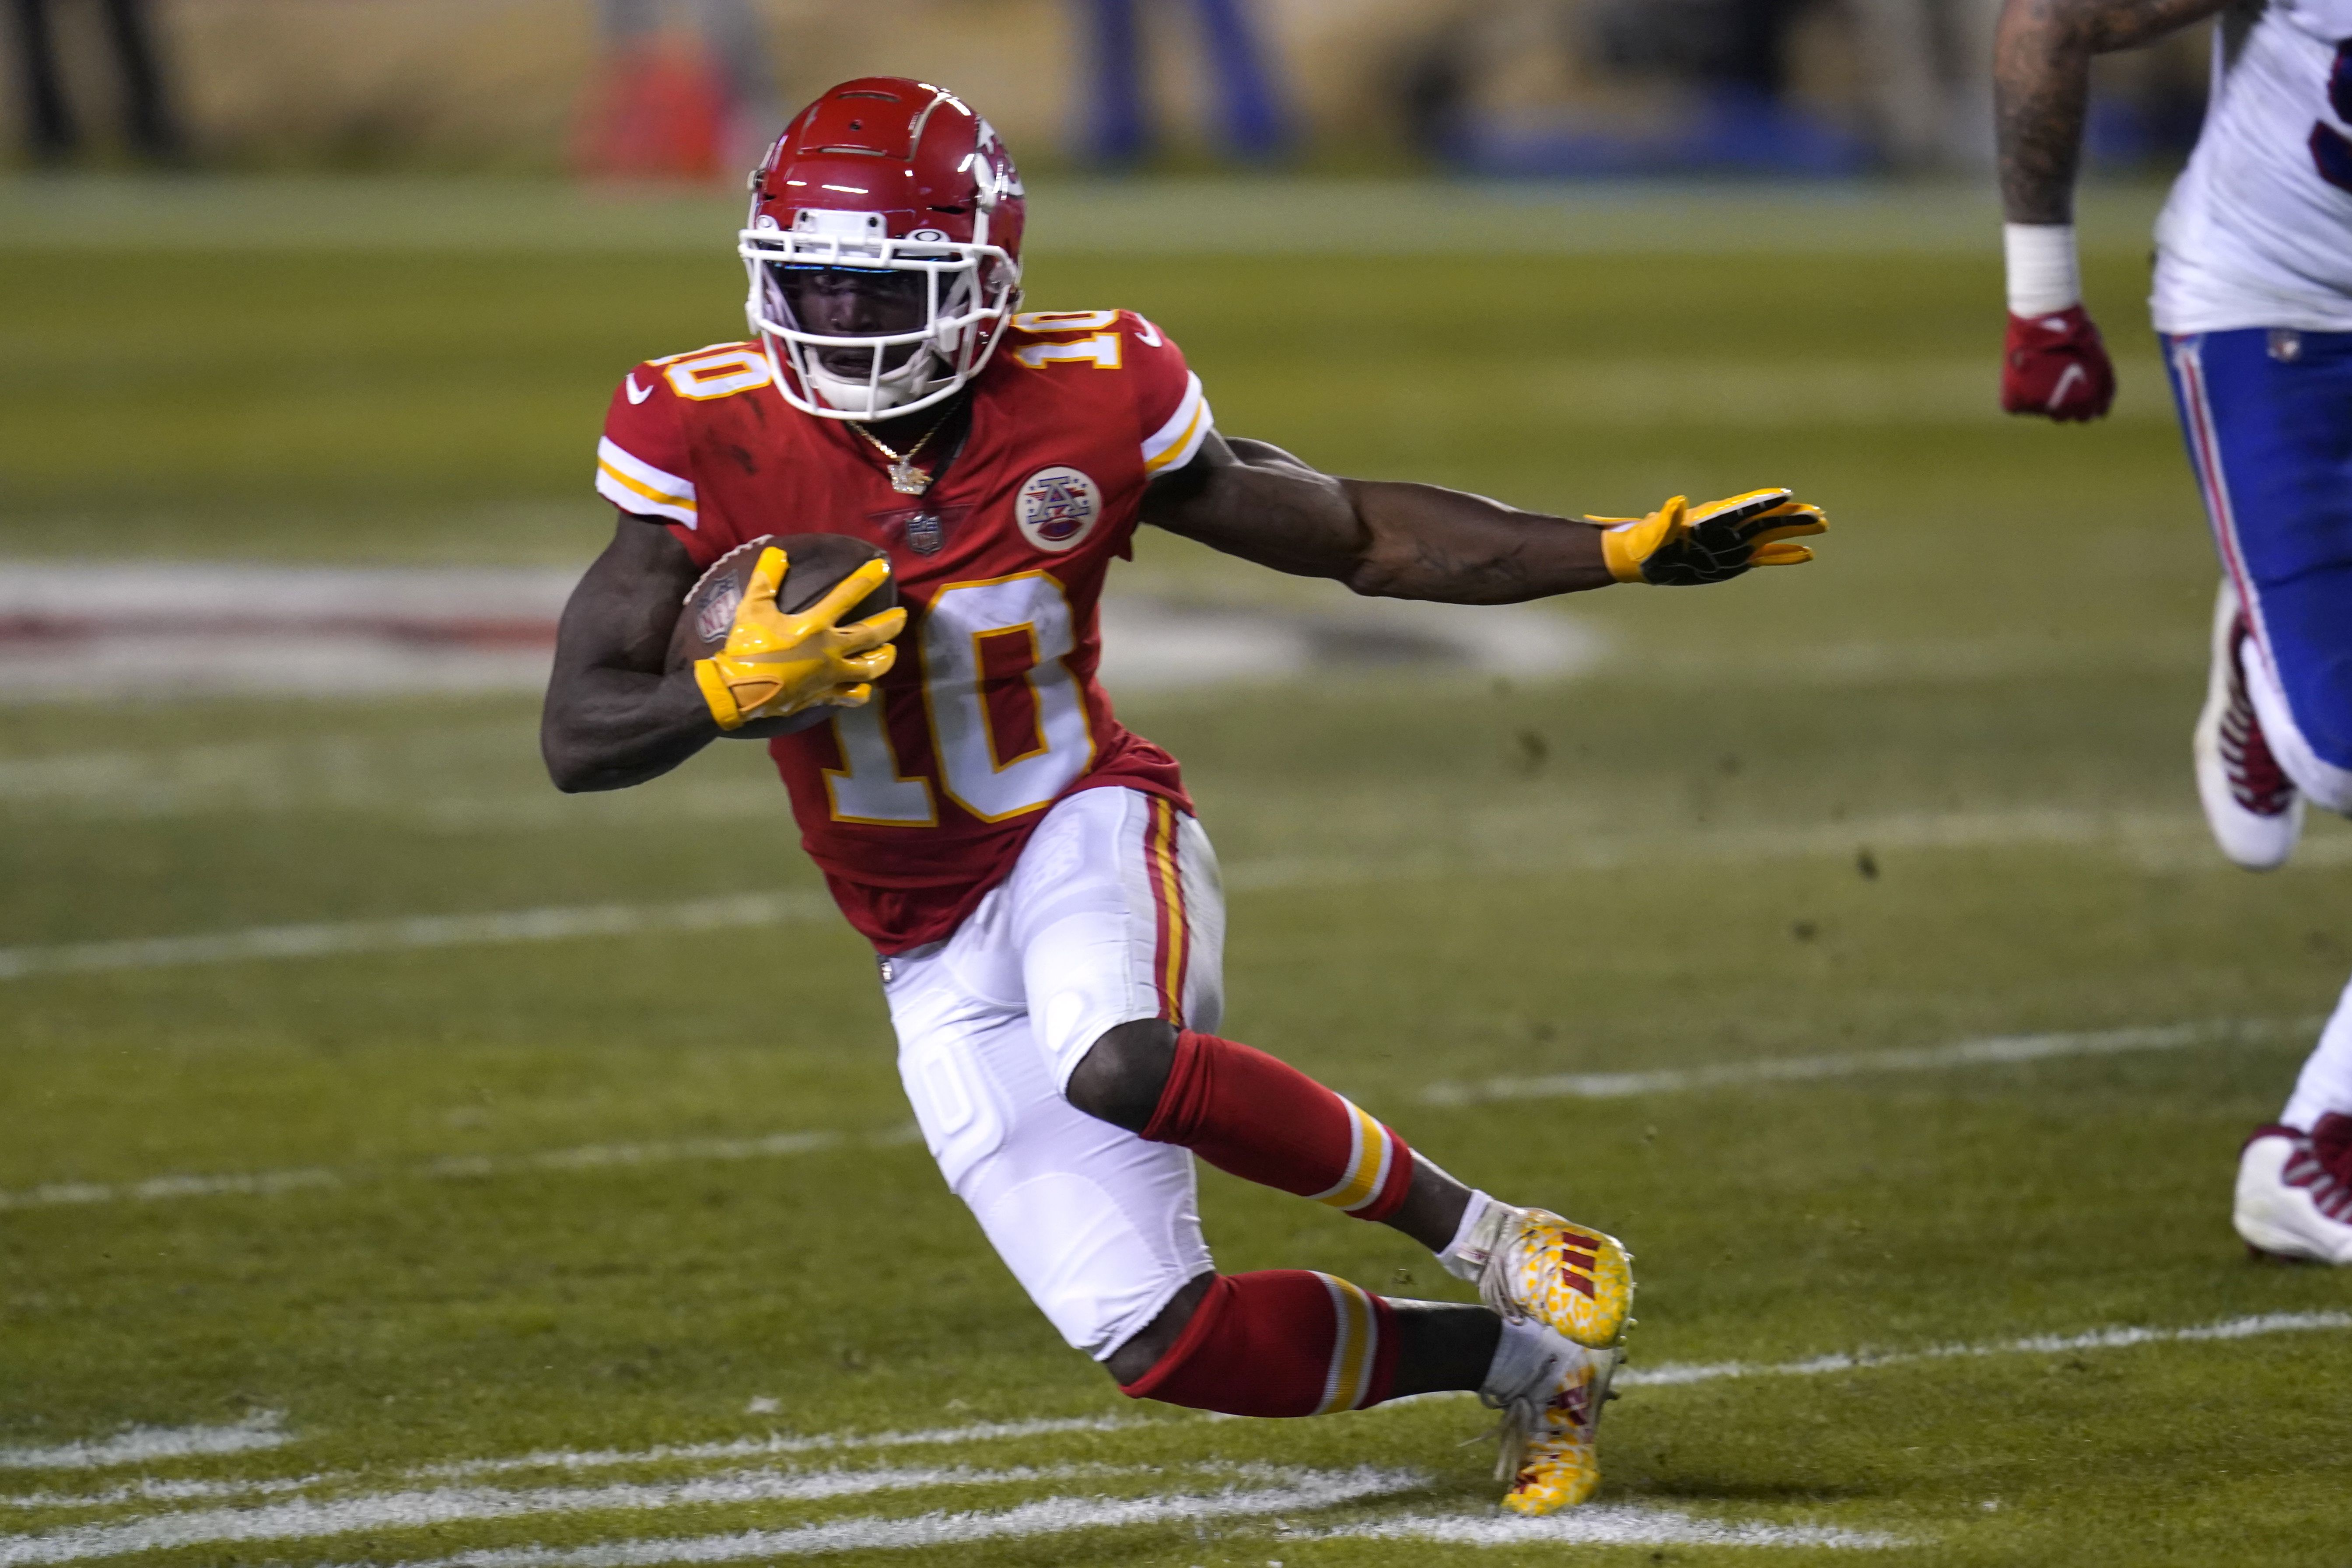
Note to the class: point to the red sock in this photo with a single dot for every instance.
(1285, 1341)
(1265, 1121)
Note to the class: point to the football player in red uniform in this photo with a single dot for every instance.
(1045, 905)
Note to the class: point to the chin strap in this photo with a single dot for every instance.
(892, 391)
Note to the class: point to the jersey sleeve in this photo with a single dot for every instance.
(1172, 416)
(641, 463)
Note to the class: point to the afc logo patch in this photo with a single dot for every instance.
(1057, 507)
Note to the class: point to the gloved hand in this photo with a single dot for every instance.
(1678, 545)
(2056, 366)
(776, 663)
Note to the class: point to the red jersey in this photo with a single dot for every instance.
(917, 804)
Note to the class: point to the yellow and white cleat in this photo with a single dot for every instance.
(1573, 1280)
(1550, 1426)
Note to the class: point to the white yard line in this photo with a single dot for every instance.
(148, 1489)
(772, 1446)
(1602, 1524)
(440, 1505)
(786, 1443)
(2138, 838)
(321, 939)
(1047, 1516)
(1675, 1375)
(1994, 1050)
(141, 1444)
(591, 1157)
(308, 1518)
(1998, 1050)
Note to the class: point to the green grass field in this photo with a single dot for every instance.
(616, 1249)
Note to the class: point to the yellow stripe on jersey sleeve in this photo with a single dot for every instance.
(1172, 445)
(637, 485)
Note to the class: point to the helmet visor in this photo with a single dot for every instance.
(836, 303)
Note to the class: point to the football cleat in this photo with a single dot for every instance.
(1576, 1282)
(2294, 1191)
(1550, 1426)
(2253, 808)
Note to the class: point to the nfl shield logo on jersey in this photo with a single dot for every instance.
(1057, 507)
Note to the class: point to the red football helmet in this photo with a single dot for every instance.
(891, 192)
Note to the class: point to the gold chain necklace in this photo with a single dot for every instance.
(905, 478)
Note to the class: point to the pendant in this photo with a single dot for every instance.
(908, 479)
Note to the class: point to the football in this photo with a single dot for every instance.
(813, 563)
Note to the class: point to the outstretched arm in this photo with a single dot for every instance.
(612, 718)
(2053, 362)
(1420, 542)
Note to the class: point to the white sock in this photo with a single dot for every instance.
(1466, 1255)
(1527, 1357)
(2325, 1082)
(2042, 275)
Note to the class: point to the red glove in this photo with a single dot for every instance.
(2057, 365)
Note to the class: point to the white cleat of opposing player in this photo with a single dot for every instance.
(2253, 808)
(2294, 1192)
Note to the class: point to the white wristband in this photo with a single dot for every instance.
(2042, 275)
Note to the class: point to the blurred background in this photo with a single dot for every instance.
(688, 88)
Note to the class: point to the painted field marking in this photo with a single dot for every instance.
(1602, 1524)
(328, 938)
(1046, 1516)
(303, 1518)
(1991, 1052)
(777, 1443)
(149, 1489)
(1994, 1050)
(772, 1446)
(591, 1157)
(139, 1445)
(1675, 1376)
(2138, 838)
(306, 1517)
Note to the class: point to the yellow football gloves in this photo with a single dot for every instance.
(1679, 544)
(775, 663)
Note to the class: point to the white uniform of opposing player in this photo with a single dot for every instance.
(2254, 233)
(2254, 298)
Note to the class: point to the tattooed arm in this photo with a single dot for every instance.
(2041, 75)
(1396, 541)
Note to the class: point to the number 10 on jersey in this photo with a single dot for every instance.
(1007, 721)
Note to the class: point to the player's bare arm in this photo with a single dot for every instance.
(2041, 79)
(2053, 362)
(612, 718)
(1402, 541)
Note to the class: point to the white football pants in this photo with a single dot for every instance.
(1112, 913)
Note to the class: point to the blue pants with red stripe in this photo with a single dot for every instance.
(2267, 414)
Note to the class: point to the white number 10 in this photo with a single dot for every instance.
(994, 759)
